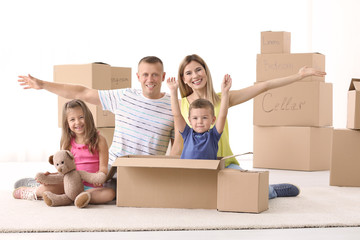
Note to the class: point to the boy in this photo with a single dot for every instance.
(200, 142)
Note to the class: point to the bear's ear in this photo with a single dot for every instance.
(51, 159)
(71, 156)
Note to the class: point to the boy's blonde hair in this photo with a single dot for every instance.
(91, 134)
(202, 103)
(185, 90)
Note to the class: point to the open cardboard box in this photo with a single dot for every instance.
(170, 182)
(353, 105)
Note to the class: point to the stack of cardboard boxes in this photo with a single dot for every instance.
(292, 124)
(96, 76)
(345, 160)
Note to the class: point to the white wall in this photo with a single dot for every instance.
(35, 35)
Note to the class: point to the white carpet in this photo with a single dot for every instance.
(318, 205)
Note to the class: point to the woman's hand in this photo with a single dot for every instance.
(306, 72)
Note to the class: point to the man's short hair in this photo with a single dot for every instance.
(202, 103)
(151, 59)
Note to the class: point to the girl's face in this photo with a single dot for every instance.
(76, 120)
(195, 75)
(201, 119)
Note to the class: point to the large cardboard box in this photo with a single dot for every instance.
(243, 191)
(292, 148)
(169, 182)
(96, 76)
(275, 42)
(345, 159)
(297, 104)
(270, 66)
(108, 133)
(353, 105)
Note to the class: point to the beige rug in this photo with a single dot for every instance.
(318, 205)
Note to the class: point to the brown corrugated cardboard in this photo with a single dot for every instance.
(292, 148)
(275, 42)
(95, 76)
(345, 159)
(166, 182)
(243, 191)
(108, 133)
(270, 66)
(353, 105)
(297, 104)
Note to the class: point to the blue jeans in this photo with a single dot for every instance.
(272, 193)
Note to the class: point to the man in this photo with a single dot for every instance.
(143, 119)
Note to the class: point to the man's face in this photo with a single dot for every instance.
(151, 75)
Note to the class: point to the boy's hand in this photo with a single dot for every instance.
(29, 82)
(306, 71)
(226, 83)
(172, 84)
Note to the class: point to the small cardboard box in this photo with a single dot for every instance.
(345, 159)
(108, 133)
(297, 104)
(166, 182)
(270, 66)
(96, 76)
(275, 42)
(293, 148)
(243, 191)
(353, 105)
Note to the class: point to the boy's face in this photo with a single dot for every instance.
(151, 76)
(201, 119)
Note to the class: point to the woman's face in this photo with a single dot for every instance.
(195, 75)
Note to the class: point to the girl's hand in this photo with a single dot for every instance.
(172, 84)
(226, 83)
(306, 72)
(29, 82)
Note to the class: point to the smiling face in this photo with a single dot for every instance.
(76, 120)
(151, 76)
(201, 119)
(195, 75)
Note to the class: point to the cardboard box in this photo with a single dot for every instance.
(292, 148)
(345, 159)
(108, 133)
(158, 181)
(270, 66)
(243, 191)
(95, 76)
(275, 42)
(297, 104)
(353, 105)
(167, 182)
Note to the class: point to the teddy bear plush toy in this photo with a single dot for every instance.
(73, 179)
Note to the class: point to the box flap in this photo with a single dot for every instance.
(355, 84)
(166, 162)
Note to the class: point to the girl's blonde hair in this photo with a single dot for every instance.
(185, 90)
(91, 135)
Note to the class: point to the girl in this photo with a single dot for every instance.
(90, 150)
(195, 82)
